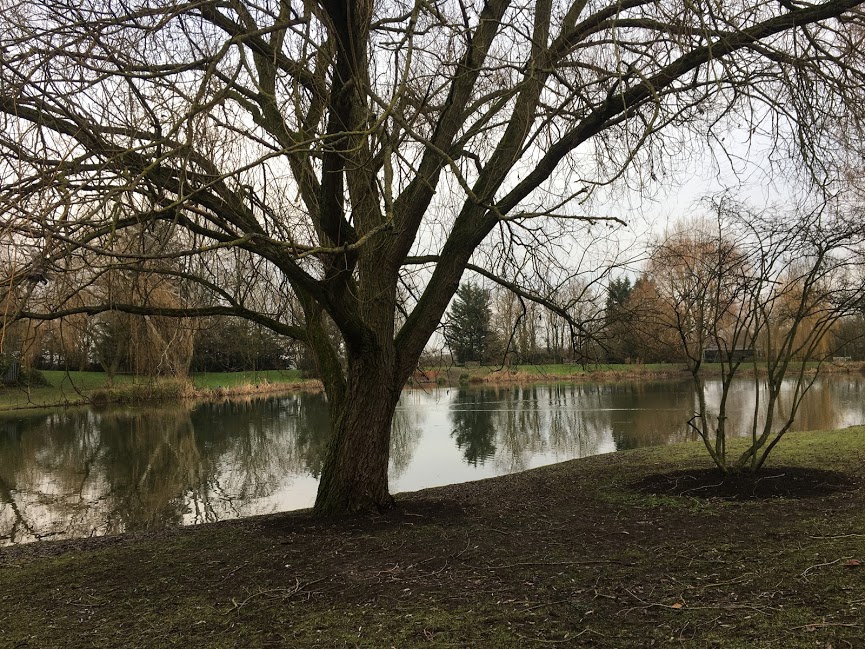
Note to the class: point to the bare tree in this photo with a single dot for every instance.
(699, 272)
(763, 293)
(360, 156)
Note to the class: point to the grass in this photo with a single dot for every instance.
(65, 388)
(600, 367)
(72, 388)
(544, 373)
(210, 380)
(600, 372)
(453, 375)
(75, 388)
(568, 555)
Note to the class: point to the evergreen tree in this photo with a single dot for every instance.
(619, 326)
(468, 331)
(618, 292)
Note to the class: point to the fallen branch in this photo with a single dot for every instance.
(286, 592)
(820, 625)
(558, 563)
(821, 565)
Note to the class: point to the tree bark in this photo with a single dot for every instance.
(355, 473)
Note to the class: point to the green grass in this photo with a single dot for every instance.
(568, 370)
(64, 388)
(536, 373)
(232, 379)
(71, 388)
(605, 371)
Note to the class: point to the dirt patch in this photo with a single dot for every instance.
(778, 482)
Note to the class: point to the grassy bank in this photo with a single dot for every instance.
(567, 555)
(454, 375)
(74, 388)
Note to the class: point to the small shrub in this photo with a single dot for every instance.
(464, 378)
(27, 377)
(160, 390)
(33, 378)
(440, 380)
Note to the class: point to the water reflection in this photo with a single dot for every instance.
(87, 472)
(473, 427)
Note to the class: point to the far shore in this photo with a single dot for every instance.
(596, 373)
(73, 388)
(67, 389)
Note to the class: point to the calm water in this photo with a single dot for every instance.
(88, 472)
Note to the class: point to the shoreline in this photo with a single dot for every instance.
(193, 394)
(151, 391)
(457, 376)
(80, 389)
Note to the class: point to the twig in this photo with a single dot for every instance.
(464, 550)
(543, 604)
(705, 486)
(820, 625)
(737, 580)
(820, 565)
(243, 565)
(288, 592)
(565, 639)
(646, 604)
(557, 563)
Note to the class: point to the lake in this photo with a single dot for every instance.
(87, 472)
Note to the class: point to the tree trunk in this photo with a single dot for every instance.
(355, 472)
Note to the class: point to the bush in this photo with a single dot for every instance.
(161, 390)
(33, 378)
(27, 377)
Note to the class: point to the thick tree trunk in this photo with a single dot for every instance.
(355, 473)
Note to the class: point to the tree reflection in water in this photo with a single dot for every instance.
(473, 428)
(82, 472)
(406, 431)
(520, 429)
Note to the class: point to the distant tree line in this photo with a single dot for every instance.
(627, 319)
(683, 305)
(119, 343)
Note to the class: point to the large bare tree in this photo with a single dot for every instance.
(345, 153)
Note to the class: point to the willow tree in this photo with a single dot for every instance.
(352, 159)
